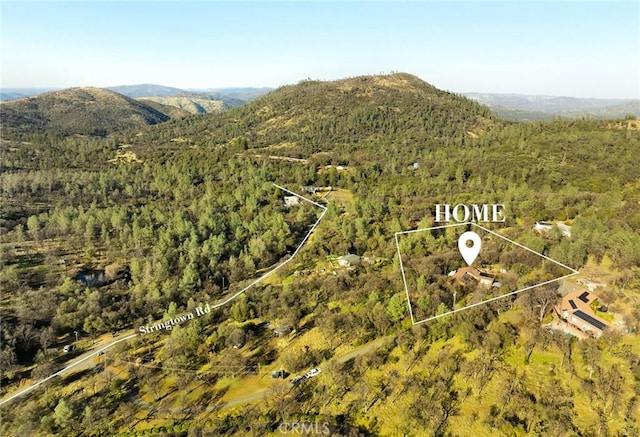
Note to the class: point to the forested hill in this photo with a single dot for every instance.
(91, 111)
(341, 116)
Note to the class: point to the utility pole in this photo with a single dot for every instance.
(76, 333)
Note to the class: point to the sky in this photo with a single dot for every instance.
(579, 49)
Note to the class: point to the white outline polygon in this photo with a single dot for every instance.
(406, 288)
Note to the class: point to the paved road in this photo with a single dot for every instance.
(80, 363)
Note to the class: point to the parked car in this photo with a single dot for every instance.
(297, 379)
(313, 372)
(68, 348)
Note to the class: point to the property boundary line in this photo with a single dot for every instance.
(406, 288)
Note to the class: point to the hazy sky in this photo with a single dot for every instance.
(582, 49)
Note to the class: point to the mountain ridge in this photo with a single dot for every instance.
(195, 101)
(313, 116)
(80, 110)
(526, 107)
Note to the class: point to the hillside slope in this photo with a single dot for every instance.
(92, 111)
(334, 117)
(193, 104)
(172, 111)
(193, 101)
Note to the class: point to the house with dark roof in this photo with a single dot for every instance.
(575, 309)
(471, 276)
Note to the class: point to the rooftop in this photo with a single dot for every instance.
(577, 303)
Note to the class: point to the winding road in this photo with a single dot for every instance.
(81, 363)
(83, 360)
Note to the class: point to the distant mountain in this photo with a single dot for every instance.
(193, 101)
(21, 93)
(240, 94)
(146, 90)
(4, 96)
(533, 107)
(92, 111)
(631, 108)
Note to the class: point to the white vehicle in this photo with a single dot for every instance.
(297, 379)
(313, 372)
(69, 348)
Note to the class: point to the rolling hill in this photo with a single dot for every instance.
(91, 111)
(172, 111)
(192, 101)
(335, 117)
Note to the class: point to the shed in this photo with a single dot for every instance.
(348, 260)
(290, 201)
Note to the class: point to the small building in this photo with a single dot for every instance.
(348, 260)
(575, 309)
(291, 201)
(544, 227)
(471, 276)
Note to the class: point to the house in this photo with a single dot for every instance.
(348, 260)
(575, 309)
(471, 276)
(544, 227)
(290, 201)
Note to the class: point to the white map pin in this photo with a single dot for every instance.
(469, 254)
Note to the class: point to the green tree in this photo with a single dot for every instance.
(397, 307)
(63, 414)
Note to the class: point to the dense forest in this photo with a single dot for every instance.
(172, 216)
